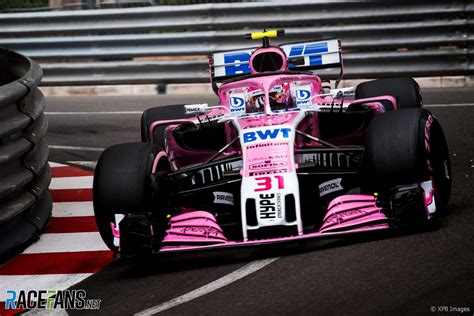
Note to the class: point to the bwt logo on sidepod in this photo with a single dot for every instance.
(265, 134)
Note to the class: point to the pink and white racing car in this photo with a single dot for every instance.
(282, 159)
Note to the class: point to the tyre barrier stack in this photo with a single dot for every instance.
(25, 201)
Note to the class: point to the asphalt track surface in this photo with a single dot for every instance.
(400, 274)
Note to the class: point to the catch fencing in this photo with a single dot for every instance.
(25, 202)
(165, 44)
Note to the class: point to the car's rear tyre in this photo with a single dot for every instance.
(151, 115)
(405, 147)
(405, 90)
(122, 184)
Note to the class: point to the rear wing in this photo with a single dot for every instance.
(300, 56)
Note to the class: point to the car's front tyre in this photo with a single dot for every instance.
(407, 147)
(122, 185)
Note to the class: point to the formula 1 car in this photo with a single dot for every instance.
(282, 158)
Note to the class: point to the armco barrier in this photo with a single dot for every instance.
(380, 38)
(25, 201)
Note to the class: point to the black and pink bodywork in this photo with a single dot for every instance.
(281, 158)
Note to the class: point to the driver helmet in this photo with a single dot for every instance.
(280, 97)
(256, 100)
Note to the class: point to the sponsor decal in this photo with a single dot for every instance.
(278, 88)
(341, 217)
(205, 231)
(269, 144)
(330, 186)
(237, 103)
(268, 164)
(308, 49)
(303, 96)
(264, 134)
(257, 92)
(313, 51)
(343, 92)
(266, 183)
(264, 172)
(237, 63)
(429, 121)
(193, 109)
(49, 299)
(196, 108)
(223, 198)
(279, 206)
(270, 206)
(271, 157)
(214, 117)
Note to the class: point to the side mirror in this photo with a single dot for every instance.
(196, 109)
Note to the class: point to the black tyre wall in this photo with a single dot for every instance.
(25, 201)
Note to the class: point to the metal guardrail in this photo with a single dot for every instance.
(357, 65)
(25, 202)
(394, 31)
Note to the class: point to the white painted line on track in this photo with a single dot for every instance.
(84, 182)
(94, 113)
(448, 105)
(55, 164)
(39, 281)
(72, 209)
(90, 164)
(211, 287)
(76, 148)
(45, 312)
(68, 242)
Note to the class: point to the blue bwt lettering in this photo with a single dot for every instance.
(266, 134)
(239, 63)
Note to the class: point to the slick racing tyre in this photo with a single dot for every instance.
(155, 114)
(405, 90)
(122, 184)
(406, 147)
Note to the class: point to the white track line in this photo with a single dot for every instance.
(75, 148)
(39, 282)
(67, 242)
(72, 209)
(90, 164)
(55, 164)
(45, 312)
(71, 183)
(211, 287)
(448, 105)
(93, 113)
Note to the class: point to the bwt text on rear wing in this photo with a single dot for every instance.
(300, 56)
